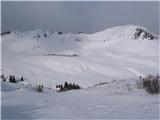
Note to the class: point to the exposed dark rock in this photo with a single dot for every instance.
(145, 34)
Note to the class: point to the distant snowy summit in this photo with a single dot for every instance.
(129, 31)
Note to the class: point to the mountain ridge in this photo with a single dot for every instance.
(125, 27)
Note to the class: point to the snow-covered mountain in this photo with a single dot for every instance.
(50, 57)
(106, 64)
(39, 41)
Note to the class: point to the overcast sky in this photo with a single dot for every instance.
(88, 17)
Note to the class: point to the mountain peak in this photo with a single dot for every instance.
(127, 31)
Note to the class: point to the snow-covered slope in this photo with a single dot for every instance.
(49, 57)
(106, 64)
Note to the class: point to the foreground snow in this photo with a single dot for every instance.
(96, 102)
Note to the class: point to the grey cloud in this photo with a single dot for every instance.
(79, 16)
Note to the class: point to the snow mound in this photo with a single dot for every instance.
(8, 87)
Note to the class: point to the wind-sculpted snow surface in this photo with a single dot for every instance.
(106, 64)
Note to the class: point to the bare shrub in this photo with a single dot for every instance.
(151, 84)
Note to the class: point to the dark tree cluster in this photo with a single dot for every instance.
(37, 36)
(146, 35)
(60, 33)
(11, 78)
(74, 55)
(4, 33)
(151, 84)
(67, 86)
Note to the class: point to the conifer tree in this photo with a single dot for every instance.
(2, 76)
(14, 79)
(10, 78)
(22, 79)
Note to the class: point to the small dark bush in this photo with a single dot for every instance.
(38, 36)
(80, 32)
(60, 33)
(3, 78)
(39, 88)
(151, 84)
(67, 86)
(45, 35)
(77, 39)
